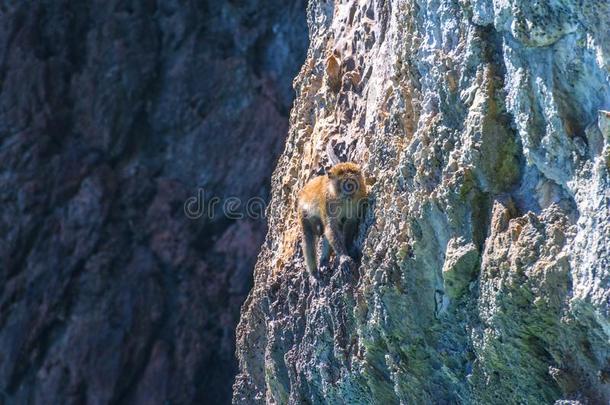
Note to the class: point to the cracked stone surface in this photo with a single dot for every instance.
(484, 132)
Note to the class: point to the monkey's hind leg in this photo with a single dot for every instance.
(350, 229)
(324, 253)
(309, 246)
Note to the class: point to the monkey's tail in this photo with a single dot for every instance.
(330, 153)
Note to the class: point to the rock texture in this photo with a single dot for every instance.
(485, 266)
(112, 114)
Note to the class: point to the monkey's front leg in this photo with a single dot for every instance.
(334, 235)
(336, 239)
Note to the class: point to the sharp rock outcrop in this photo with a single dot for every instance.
(113, 114)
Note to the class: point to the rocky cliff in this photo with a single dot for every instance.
(112, 115)
(485, 267)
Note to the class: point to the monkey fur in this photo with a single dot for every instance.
(331, 206)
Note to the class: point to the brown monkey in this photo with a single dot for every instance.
(331, 205)
(333, 72)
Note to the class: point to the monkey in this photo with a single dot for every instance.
(331, 206)
(333, 71)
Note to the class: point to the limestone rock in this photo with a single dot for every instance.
(485, 268)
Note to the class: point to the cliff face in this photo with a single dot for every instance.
(485, 264)
(112, 114)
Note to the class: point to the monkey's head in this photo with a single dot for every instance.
(347, 180)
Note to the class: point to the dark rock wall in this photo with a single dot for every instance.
(112, 114)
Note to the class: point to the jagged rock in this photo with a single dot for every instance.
(485, 268)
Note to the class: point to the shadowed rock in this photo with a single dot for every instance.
(112, 114)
